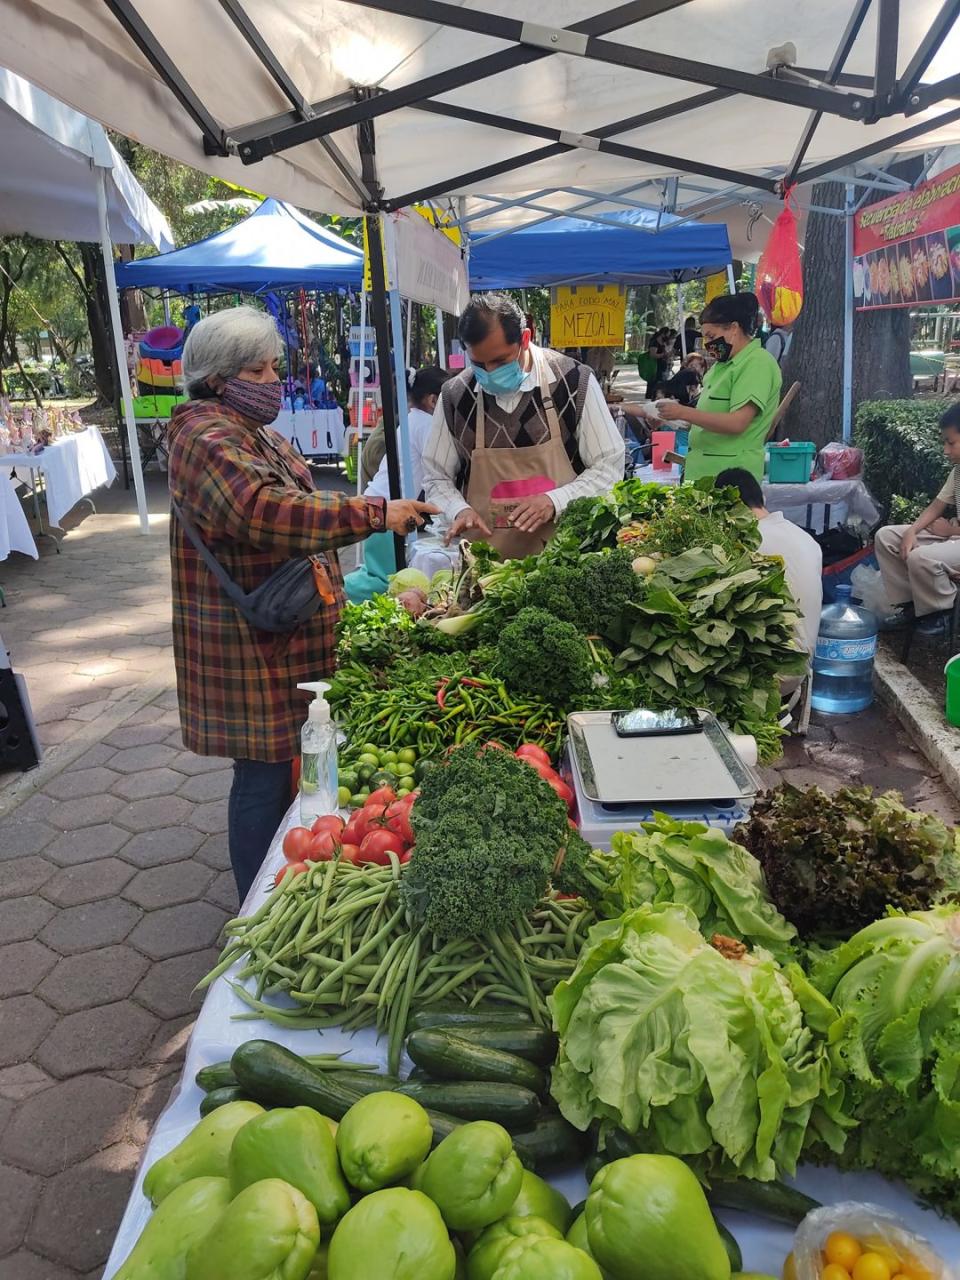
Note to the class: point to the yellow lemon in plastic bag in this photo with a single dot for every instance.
(872, 1266)
(789, 1268)
(842, 1248)
(833, 1271)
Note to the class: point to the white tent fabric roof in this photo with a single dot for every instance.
(47, 182)
(79, 49)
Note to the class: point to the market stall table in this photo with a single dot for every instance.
(216, 1034)
(71, 468)
(15, 532)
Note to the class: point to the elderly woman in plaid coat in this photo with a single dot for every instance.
(253, 502)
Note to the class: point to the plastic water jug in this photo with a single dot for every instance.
(952, 672)
(843, 660)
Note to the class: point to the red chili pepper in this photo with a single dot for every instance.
(442, 693)
(474, 684)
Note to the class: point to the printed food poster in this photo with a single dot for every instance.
(907, 248)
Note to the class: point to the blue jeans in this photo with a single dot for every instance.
(259, 797)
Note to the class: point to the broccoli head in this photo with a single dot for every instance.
(541, 655)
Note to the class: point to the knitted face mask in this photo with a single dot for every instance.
(259, 401)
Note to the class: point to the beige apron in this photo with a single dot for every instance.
(501, 480)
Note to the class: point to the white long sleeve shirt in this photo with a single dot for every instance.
(599, 442)
(420, 424)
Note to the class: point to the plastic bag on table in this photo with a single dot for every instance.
(779, 282)
(876, 1230)
(838, 461)
(867, 585)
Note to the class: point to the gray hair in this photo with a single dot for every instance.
(224, 343)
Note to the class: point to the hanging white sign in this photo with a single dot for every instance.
(429, 268)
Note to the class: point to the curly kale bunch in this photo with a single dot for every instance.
(592, 593)
(488, 831)
(539, 655)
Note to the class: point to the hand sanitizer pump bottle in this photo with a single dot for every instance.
(318, 757)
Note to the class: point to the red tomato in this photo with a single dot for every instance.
(296, 843)
(397, 819)
(382, 796)
(562, 790)
(409, 800)
(323, 846)
(355, 829)
(530, 752)
(374, 846)
(350, 853)
(331, 822)
(291, 869)
(405, 857)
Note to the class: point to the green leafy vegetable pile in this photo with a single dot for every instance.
(896, 1043)
(489, 830)
(591, 593)
(835, 863)
(539, 655)
(702, 1051)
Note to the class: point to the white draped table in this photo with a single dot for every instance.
(71, 467)
(15, 532)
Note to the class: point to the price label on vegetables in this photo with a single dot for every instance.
(907, 248)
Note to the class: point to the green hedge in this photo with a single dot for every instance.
(903, 462)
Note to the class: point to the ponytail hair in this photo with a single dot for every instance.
(425, 382)
(733, 308)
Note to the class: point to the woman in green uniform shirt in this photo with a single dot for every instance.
(740, 394)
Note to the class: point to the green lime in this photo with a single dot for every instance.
(370, 749)
(370, 757)
(388, 757)
(362, 793)
(349, 779)
(384, 778)
(308, 788)
(344, 795)
(407, 756)
(404, 789)
(356, 802)
(403, 770)
(366, 772)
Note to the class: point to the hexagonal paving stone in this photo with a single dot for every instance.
(22, 918)
(166, 844)
(24, 1265)
(80, 1209)
(74, 784)
(22, 1080)
(168, 989)
(90, 925)
(187, 762)
(151, 782)
(94, 756)
(25, 875)
(87, 811)
(147, 815)
(173, 931)
(92, 978)
(204, 787)
(210, 818)
(135, 759)
(215, 852)
(170, 885)
(170, 1042)
(223, 892)
(87, 844)
(18, 1195)
(20, 839)
(111, 1036)
(23, 965)
(88, 882)
(136, 735)
(26, 1020)
(66, 1123)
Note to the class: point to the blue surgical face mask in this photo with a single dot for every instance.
(502, 380)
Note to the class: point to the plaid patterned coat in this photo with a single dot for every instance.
(253, 502)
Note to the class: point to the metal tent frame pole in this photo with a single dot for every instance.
(126, 395)
(847, 389)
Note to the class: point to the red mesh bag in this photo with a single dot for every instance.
(779, 273)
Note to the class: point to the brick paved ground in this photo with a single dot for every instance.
(114, 882)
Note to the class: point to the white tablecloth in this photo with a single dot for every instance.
(317, 432)
(15, 532)
(215, 1036)
(72, 467)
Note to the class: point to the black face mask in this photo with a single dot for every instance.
(719, 348)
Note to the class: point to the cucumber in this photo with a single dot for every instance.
(551, 1144)
(508, 1104)
(533, 1043)
(220, 1097)
(364, 1082)
(460, 1016)
(218, 1076)
(731, 1246)
(273, 1076)
(766, 1199)
(453, 1058)
(618, 1144)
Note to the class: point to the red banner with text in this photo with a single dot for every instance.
(906, 249)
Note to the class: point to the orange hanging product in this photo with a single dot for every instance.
(779, 273)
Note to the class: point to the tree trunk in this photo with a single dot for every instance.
(133, 312)
(98, 319)
(881, 339)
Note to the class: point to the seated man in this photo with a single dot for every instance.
(801, 555)
(914, 558)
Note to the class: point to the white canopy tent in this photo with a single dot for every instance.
(62, 179)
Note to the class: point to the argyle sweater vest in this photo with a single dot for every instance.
(527, 423)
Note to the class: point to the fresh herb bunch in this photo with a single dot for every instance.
(835, 863)
(375, 631)
(488, 832)
(591, 593)
(539, 655)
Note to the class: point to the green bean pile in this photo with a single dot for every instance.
(338, 943)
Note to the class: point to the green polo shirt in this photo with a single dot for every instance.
(751, 377)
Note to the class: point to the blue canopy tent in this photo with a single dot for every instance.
(275, 248)
(625, 248)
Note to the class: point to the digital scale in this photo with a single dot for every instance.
(620, 781)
